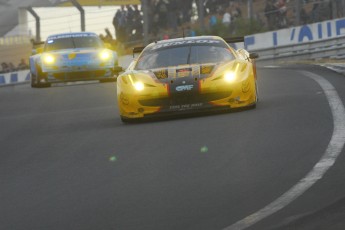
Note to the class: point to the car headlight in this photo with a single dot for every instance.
(229, 76)
(105, 55)
(49, 59)
(139, 86)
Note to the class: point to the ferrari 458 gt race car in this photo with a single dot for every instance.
(187, 75)
(73, 57)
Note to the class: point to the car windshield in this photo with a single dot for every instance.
(73, 42)
(187, 54)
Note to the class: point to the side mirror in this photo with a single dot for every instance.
(118, 69)
(253, 55)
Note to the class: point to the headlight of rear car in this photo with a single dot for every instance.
(48, 59)
(139, 86)
(105, 55)
(229, 76)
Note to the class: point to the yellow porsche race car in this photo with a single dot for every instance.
(187, 75)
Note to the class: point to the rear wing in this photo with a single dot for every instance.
(138, 50)
(234, 40)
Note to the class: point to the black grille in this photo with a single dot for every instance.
(80, 75)
(184, 99)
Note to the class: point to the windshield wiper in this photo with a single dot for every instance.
(188, 58)
(73, 42)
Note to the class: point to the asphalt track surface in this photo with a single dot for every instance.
(68, 162)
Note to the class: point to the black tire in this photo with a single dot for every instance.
(35, 81)
(130, 120)
(253, 106)
(125, 119)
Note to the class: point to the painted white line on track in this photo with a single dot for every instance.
(333, 150)
(271, 66)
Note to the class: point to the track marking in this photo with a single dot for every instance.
(333, 150)
(271, 66)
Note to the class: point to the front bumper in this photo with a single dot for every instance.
(130, 107)
(88, 75)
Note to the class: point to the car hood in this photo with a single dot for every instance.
(76, 50)
(199, 71)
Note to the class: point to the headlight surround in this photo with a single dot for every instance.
(229, 76)
(48, 59)
(139, 86)
(105, 55)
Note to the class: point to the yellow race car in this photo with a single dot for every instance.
(187, 75)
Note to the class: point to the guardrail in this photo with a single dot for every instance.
(328, 48)
(14, 77)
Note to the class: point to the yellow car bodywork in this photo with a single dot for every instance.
(228, 85)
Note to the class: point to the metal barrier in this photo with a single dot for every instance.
(315, 50)
(14, 77)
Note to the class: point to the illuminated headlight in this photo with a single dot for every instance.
(48, 59)
(139, 86)
(105, 55)
(230, 76)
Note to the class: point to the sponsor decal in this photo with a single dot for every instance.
(186, 106)
(184, 88)
(76, 35)
(185, 42)
(185, 72)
